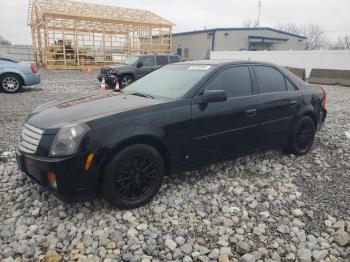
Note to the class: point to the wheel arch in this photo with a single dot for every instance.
(312, 115)
(139, 139)
(307, 111)
(22, 78)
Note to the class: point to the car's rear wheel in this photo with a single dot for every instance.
(133, 177)
(11, 83)
(125, 80)
(303, 136)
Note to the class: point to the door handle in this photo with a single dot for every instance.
(251, 112)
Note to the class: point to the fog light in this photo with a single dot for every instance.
(51, 177)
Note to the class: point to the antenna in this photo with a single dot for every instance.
(259, 6)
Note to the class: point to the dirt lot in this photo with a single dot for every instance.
(266, 207)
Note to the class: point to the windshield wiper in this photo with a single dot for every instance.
(143, 95)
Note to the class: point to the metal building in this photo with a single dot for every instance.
(69, 34)
(198, 44)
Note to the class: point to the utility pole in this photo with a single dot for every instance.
(259, 5)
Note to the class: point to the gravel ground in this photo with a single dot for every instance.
(265, 207)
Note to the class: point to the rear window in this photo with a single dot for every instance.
(162, 60)
(7, 60)
(270, 80)
(174, 59)
(290, 86)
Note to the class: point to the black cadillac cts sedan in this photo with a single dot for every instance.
(122, 144)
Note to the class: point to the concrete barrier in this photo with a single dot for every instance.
(19, 52)
(330, 77)
(300, 72)
(326, 59)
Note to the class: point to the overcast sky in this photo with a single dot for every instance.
(332, 15)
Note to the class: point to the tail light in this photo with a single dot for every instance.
(34, 68)
(324, 98)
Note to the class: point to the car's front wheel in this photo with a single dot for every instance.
(133, 176)
(11, 83)
(303, 136)
(125, 80)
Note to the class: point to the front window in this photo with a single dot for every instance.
(148, 61)
(131, 60)
(170, 82)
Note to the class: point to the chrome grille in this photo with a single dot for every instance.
(30, 139)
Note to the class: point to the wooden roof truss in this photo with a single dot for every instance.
(71, 34)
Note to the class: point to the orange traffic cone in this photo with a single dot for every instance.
(103, 85)
(89, 72)
(117, 85)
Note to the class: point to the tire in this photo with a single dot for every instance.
(133, 177)
(11, 83)
(126, 80)
(302, 137)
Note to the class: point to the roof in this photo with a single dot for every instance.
(214, 62)
(240, 29)
(86, 11)
(264, 38)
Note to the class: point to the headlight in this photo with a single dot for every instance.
(67, 140)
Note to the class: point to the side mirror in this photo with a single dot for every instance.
(139, 64)
(212, 96)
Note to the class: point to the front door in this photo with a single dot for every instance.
(145, 66)
(225, 129)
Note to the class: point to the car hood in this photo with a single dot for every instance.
(120, 67)
(54, 115)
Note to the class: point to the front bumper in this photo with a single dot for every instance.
(74, 183)
(110, 80)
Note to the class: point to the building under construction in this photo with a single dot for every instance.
(71, 34)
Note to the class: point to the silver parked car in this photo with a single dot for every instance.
(14, 74)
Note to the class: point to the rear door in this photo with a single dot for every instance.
(280, 101)
(148, 65)
(162, 60)
(174, 59)
(224, 129)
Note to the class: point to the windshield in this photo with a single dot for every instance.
(169, 82)
(131, 60)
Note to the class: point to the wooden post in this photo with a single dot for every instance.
(129, 30)
(64, 49)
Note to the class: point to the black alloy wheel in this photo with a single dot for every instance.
(133, 177)
(126, 80)
(303, 136)
(10, 83)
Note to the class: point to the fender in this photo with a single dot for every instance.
(124, 131)
(306, 110)
(126, 136)
(14, 70)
